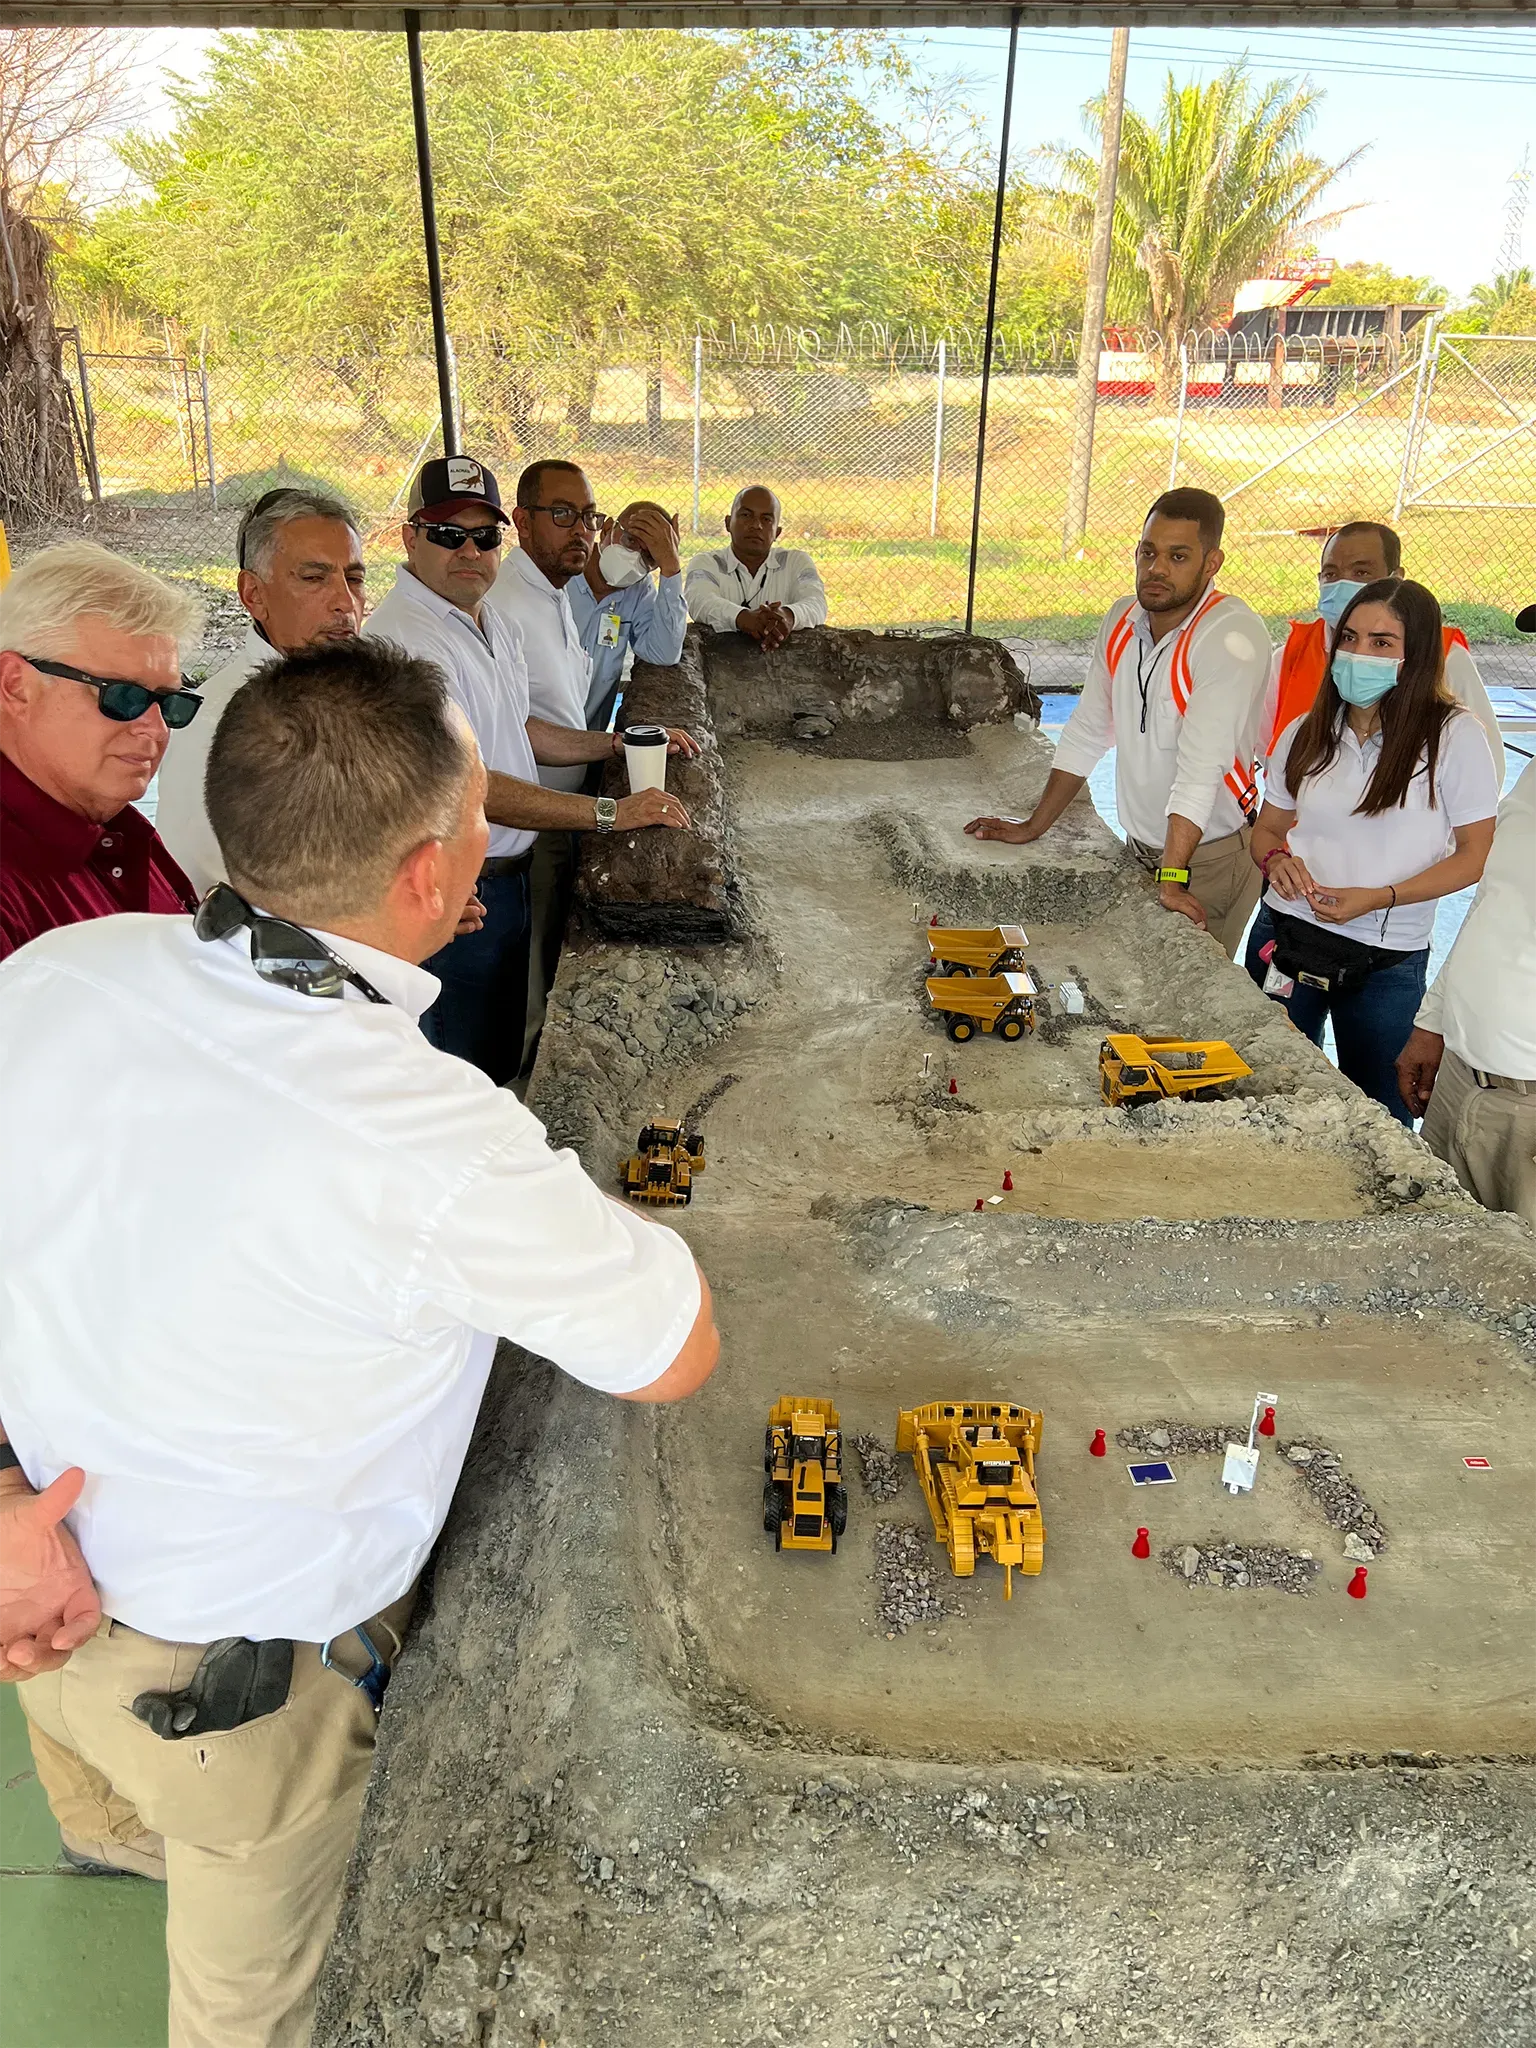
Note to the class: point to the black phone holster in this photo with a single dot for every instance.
(236, 1682)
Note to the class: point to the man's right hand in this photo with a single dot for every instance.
(770, 625)
(1417, 1065)
(1015, 831)
(48, 1604)
(651, 807)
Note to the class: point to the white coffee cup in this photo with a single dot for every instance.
(645, 756)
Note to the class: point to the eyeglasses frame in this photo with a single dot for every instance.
(187, 691)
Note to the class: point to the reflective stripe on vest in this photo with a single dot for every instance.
(1241, 777)
(1303, 663)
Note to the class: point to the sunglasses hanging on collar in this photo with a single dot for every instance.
(282, 953)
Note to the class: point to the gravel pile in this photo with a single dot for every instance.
(910, 1570)
(659, 1009)
(878, 1468)
(1242, 1564)
(1179, 1439)
(1344, 1506)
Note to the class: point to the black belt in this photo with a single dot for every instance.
(506, 864)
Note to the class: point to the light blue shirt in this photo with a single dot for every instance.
(649, 616)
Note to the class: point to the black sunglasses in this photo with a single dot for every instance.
(281, 952)
(451, 537)
(127, 701)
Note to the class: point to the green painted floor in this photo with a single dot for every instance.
(82, 1959)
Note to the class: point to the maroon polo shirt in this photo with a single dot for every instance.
(59, 868)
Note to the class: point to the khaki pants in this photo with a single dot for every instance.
(551, 884)
(1223, 881)
(258, 1822)
(1487, 1136)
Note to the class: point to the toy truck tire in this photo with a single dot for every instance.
(959, 1028)
(837, 1510)
(1012, 1028)
(773, 1512)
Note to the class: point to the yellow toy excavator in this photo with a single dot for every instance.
(975, 1462)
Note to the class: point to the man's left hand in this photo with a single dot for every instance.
(1174, 896)
(48, 1603)
(657, 535)
(471, 918)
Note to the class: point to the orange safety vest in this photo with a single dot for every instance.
(1242, 777)
(1303, 663)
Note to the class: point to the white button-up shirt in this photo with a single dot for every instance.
(256, 1262)
(1483, 1001)
(1343, 850)
(181, 816)
(486, 673)
(650, 618)
(1216, 665)
(559, 670)
(718, 586)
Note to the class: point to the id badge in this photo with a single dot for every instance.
(608, 634)
(1276, 983)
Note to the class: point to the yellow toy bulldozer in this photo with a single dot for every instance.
(975, 1462)
(955, 949)
(805, 1504)
(663, 1169)
(1136, 1070)
(1001, 1003)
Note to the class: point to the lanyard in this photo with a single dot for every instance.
(1146, 677)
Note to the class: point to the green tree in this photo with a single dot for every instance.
(1211, 191)
(1505, 305)
(1377, 284)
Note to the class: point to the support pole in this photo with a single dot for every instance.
(1411, 439)
(93, 466)
(202, 372)
(1178, 424)
(440, 349)
(991, 328)
(698, 420)
(938, 446)
(1085, 399)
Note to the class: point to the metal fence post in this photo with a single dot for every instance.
(92, 465)
(938, 446)
(1015, 14)
(456, 404)
(698, 420)
(1410, 439)
(202, 371)
(1178, 423)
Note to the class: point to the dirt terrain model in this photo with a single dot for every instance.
(1001, 1003)
(1136, 1070)
(956, 950)
(975, 1462)
(662, 1170)
(805, 1506)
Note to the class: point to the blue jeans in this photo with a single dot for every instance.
(1371, 1024)
(480, 1014)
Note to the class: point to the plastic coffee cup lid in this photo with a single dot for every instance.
(645, 735)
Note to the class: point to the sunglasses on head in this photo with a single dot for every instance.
(125, 701)
(281, 952)
(451, 537)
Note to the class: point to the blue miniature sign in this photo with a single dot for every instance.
(1159, 1473)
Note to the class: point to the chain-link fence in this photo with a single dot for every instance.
(869, 438)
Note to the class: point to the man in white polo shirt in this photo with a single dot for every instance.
(1176, 686)
(268, 1369)
(752, 586)
(452, 539)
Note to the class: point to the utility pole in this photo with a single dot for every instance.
(1511, 247)
(1079, 477)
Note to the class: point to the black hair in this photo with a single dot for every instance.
(1203, 508)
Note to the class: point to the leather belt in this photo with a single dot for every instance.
(1502, 1081)
(507, 864)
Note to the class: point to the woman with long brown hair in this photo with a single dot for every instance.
(1379, 802)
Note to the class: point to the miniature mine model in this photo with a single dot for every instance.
(957, 950)
(805, 1506)
(968, 1003)
(1136, 1070)
(662, 1170)
(975, 1462)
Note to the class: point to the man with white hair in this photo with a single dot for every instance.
(752, 586)
(302, 582)
(91, 693)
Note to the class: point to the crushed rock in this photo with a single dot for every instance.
(1266, 1566)
(1344, 1506)
(910, 1571)
(1178, 1439)
(879, 1468)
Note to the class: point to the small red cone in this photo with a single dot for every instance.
(1267, 1426)
(980, 1204)
(1356, 1586)
(1007, 1182)
(954, 1085)
(933, 920)
(1142, 1547)
(1098, 1448)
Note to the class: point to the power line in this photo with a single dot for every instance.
(1161, 53)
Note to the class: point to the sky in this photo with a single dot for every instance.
(1444, 116)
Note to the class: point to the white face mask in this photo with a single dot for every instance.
(620, 566)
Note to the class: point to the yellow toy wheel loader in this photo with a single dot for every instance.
(805, 1504)
(661, 1172)
(975, 1461)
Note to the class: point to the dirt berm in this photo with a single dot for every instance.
(643, 1783)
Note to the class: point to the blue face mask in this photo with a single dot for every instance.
(1331, 600)
(1364, 679)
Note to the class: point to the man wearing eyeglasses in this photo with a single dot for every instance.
(452, 538)
(91, 695)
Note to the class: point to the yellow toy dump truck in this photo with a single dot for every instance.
(663, 1169)
(956, 950)
(1136, 1070)
(1000, 1003)
(975, 1462)
(805, 1505)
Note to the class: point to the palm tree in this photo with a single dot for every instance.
(1500, 307)
(1212, 192)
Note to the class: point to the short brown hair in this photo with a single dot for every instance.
(1202, 508)
(328, 767)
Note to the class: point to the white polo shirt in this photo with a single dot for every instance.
(486, 674)
(1349, 852)
(1483, 1001)
(181, 816)
(718, 586)
(559, 667)
(256, 1263)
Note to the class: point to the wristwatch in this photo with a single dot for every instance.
(607, 813)
(1179, 875)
